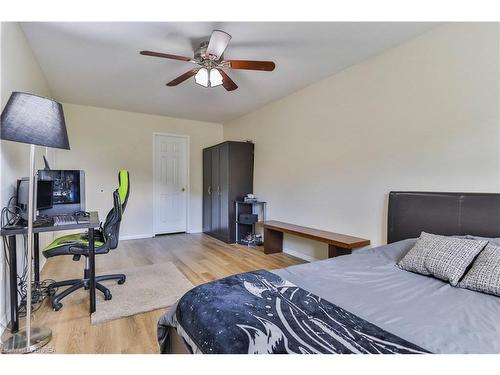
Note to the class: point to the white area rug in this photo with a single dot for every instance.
(147, 288)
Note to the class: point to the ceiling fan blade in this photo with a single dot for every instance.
(217, 44)
(165, 55)
(183, 77)
(227, 82)
(250, 65)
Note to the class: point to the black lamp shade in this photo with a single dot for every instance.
(34, 120)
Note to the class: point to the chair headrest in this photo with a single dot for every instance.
(124, 186)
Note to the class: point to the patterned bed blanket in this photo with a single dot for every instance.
(259, 312)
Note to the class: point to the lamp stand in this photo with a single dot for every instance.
(29, 339)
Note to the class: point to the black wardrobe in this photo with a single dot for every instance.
(227, 177)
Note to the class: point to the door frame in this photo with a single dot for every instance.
(188, 180)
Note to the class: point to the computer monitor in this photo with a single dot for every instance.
(44, 192)
(68, 194)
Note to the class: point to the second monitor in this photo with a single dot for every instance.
(68, 194)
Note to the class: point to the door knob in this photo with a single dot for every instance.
(183, 189)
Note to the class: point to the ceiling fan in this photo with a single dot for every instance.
(209, 57)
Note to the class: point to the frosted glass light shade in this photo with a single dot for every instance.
(215, 78)
(201, 78)
(208, 78)
(217, 45)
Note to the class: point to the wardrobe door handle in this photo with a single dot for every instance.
(209, 190)
(218, 190)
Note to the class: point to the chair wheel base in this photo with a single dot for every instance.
(84, 283)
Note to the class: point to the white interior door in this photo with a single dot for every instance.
(171, 183)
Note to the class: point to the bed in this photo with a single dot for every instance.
(359, 303)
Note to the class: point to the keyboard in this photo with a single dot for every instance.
(64, 220)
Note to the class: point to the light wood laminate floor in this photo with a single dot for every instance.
(199, 257)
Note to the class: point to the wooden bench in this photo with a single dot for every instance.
(338, 244)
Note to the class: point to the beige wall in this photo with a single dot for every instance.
(19, 72)
(104, 141)
(422, 116)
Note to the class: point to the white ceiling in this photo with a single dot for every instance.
(99, 63)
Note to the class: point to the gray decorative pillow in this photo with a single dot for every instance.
(495, 241)
(484, 276)
(446, 258)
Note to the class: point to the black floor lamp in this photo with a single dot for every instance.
(39, 121)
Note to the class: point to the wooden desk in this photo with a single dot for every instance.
(338, 244)
(11, 233)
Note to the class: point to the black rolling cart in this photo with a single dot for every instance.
(248, 214)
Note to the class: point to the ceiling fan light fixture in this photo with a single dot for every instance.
(202, 77)
(210, 70)
(217, 44)
(208, 78)
(215, 78)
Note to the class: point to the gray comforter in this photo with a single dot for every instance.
(420, 309)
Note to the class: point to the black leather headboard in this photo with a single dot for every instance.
(442, 213)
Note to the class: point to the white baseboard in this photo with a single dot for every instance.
(149, 235)
(300, 255)
(3, 324)
(136, 237)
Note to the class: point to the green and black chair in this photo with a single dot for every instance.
(77, 245)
